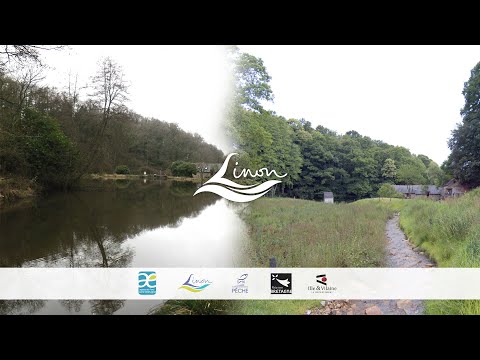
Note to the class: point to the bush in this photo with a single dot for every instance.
(50, 155)
(182, 168)
(122, 169)
(388, 191)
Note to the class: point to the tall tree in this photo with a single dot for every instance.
(251, 80)
(389, 170)
(464, 143)
(435, 174)
(110, 93)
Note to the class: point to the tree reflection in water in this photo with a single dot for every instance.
(88, 228)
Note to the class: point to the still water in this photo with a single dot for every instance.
(139, 223)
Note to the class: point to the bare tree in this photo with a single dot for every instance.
(23, 53)
(110, 92)
(27, 78)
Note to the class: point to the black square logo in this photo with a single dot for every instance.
(281, 283)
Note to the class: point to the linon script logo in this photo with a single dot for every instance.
(195, 285)
(235, 192)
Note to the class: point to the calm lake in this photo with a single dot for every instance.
(121, 223)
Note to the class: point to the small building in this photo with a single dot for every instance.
(328, 197)
(420, 191)
(453, 189)
(206, 170)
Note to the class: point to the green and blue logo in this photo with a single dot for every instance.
(195, 285)
(147, 283)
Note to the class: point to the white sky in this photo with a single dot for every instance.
(187, 85)
(403, 95)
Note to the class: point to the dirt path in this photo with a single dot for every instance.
(400, 253)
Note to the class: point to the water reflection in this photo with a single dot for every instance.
(117, 224)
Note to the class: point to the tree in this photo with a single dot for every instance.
(50, 155)
(435, 174)
(251, 80)
(388, 191)
(411, 174)
(23, 53)
(425, 159)
(110, 93)
(389, 170)
(464, 159)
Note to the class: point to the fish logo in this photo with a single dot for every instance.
(195, 285)
(235, 192)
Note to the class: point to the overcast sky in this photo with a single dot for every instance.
(187, 85)
(404, 95)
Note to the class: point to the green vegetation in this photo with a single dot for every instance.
(351, 165)
(122, 169)
(195, 307)
(183, 168)
(464, 160)
(53, 137)
(273, 307)
(301, 233)
(388, 191)
(449, 231)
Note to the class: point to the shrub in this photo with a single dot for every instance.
(50, 155)
(388, 191)
(122, 169)
(182, 168)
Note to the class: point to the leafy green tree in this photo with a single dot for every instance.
(464, 143)
(50, 156)
(182, 168)
(251, 80)
(435, 174)
(411, 174)
(388, 191)
(389, 170)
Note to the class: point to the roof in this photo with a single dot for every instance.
(328, 195)
(418, 189)
(456, 187)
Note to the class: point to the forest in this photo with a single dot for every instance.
(351, 165)
(55, 137)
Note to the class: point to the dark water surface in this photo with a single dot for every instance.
(139, 223)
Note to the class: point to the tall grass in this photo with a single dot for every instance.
(302, 233)
(450, 232)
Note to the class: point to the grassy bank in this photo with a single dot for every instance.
(301, 233)
(449, 231)
(15, 188)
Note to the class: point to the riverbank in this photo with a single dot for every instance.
(136, 177)
(14, 189)
(400, 254)
(449, 232)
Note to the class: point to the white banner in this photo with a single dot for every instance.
(239, 283)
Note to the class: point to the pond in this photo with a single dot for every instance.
(118, 223)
